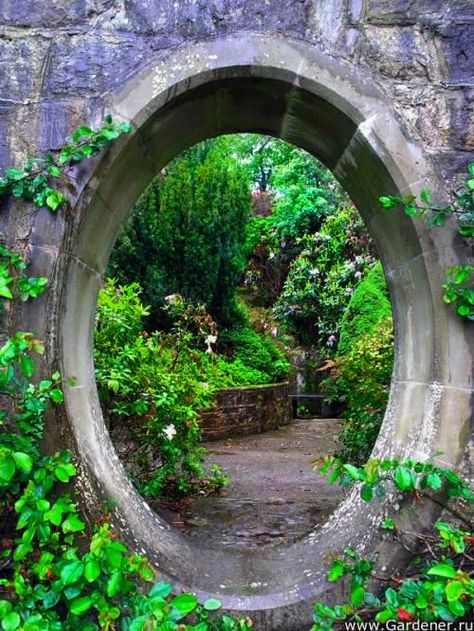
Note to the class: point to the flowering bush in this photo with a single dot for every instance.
(161, 380)
(322, 277)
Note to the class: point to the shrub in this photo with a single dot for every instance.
(321, 279)
(364, 379)
(256, 358)
(368, 306)
(187, 234)
(163, 379)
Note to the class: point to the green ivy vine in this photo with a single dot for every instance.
(459, 286)
(55, 572)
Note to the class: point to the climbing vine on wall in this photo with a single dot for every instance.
(54, 573)
(37, 180)
(459, 286)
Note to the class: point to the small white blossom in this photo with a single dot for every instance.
(170, 431)
(331, 340)
(314, 271)
(349, 291)
(210, 339)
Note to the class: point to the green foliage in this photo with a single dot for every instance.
(462, 208)
(151, 376)
(457, 291)
(61, 577)
(163, 379)
(187, 234)
(256, 359)
(405, 475)
(322, 277)
(439, 585)
(363, 380)
(36, 181)
(60, 582)
(368, 306)
(363, 369)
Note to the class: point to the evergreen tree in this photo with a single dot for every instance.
(186, 234)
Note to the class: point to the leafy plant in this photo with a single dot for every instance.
(462, 208)
(37, 180)
(58, 575)
(457, 291)
(322, 278)
(438, 585)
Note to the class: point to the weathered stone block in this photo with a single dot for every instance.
(243, 411)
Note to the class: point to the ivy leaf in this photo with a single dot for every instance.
(82, 132)
(161, 589)
(64, 471)
(27, 366)
(425, 195)
(454, 590)
(387, 524)
(385, 615)
(113, 584)
(336, 571)
(11, 621)
(404, 479)
(72, 572)
(357, 596)
(352, 471)
(73, 524)
(366, 493)
(4, 290)
(23, 461)
(442, 569)
(91, 570)
(434, 481)
(7, 467)
(80, 605)
(388, 202)
(212, 604)
(54, 171)
(184, 603)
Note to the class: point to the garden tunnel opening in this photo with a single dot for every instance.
(228, 295)
(293, 92)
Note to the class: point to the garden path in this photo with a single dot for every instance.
(274, 495)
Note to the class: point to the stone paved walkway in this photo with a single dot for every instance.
(274, 495)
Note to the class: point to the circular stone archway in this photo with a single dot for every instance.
(270, 85)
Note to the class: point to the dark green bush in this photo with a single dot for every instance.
(187, 234)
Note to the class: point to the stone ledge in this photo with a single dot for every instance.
(248, 410)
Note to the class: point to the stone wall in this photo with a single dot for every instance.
(381, 90)
(244, 411)
(60, 58)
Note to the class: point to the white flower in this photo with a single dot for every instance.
(210, 339)
(358, 275)
(170, 431)
(331, 340)
(349, 291)
(314, 271)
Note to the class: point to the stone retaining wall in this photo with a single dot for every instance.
(244, 411)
